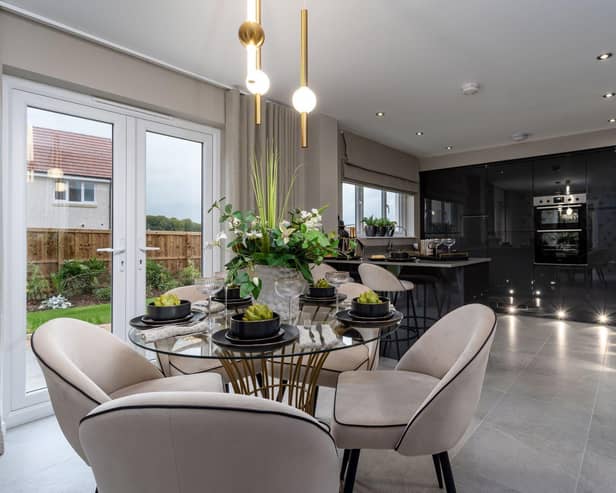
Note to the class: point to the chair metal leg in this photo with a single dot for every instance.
(437, 468)
(345, 463)
(437, 300)
(425, 305)
(414, 313)
(450, 486)
(349, 481)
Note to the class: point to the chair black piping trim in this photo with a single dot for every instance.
(70, 384)
(195, 373)
(95, 414)
(421, 410)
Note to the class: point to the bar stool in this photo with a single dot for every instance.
(381, 280)
(428, 281)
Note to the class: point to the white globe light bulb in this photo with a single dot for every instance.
(258, 82)
(304, 100)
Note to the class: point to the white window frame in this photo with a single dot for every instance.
(66, 200)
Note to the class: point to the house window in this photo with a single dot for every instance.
(75, 191)
(361, 201)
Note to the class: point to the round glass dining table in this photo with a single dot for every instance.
(286, 371)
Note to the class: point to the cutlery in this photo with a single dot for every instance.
(311, 334)
(320, 331)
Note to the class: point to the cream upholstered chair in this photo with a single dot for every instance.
(195, 442)
(85, 366)
(179, 365)
(425, 405)
(319, 271)
(381, 280)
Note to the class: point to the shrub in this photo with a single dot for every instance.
(157, 278)
(37, 286)
(188, 274)
(79, 277)
(103, 294)
(58, 302)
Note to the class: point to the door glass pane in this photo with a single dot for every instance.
(173, 212)
(373, 202)
(348, 204)
(66, 275)
(393, 207)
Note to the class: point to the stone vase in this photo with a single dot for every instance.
(268, 275)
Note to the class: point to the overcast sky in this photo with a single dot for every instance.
(173, 166)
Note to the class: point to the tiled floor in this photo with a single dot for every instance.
(546, 423)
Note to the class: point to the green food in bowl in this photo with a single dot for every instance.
(369, 298)
(167, 300)
(258, 312)
(322, 283)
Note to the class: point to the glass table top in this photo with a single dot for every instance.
(312, 338)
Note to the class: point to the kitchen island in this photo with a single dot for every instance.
(459, 281)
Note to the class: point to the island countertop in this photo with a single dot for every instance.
(440, 264)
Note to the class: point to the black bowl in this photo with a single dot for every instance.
(371, 309)
(162, 313)
(257, 329)
(321, 292)
(232, 293)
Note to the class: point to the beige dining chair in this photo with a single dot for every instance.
(174, 365)
(425, 405)
(85, 366)
(381, 280)
(195, 442)
(319, 271)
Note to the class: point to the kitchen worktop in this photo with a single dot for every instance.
(440, 264)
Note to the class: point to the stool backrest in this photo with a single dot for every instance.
(378, 278)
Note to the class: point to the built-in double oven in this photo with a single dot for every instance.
(560, 229)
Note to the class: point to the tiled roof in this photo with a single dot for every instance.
(76, 154)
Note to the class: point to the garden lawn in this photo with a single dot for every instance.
(95, 314)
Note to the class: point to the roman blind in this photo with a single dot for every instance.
(367, 162)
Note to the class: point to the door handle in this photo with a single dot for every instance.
(149, 249)
(115, 251)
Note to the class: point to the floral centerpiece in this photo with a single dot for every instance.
(272, 235)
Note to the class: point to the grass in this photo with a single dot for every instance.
(95, 314)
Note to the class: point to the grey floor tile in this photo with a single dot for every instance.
(598, 474)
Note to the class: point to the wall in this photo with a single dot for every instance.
(531, 148)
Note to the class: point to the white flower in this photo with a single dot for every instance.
(221, 236)
(304, 214)
(285, 223)
(251, 235)
(286, 231)
(315, 211)
(255, 281)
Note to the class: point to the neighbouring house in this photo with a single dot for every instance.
(69, 180)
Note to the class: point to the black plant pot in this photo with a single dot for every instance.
(321, 292)
(371, 309)
(256, 329)
(370, 230)
(162, 313)
(381, 230)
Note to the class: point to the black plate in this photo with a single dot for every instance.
(152, 321)
(331, 299)
(389, 316)
(344, 317)
(291, 333)
(237, 340)
(139, 323)
(233, 301)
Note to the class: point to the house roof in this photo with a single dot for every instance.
(76, 154)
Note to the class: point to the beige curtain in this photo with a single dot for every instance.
(280, 129)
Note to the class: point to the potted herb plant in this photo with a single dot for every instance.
(370, 224)
(381, 226)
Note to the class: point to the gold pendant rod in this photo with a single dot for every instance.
(258, 65)
(303, 70)
(303, 123)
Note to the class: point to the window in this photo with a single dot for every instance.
(359, 202)
(78, 191)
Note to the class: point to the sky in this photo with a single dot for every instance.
(173, 166)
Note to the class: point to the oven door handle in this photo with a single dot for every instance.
(559, 206)
(559, 230)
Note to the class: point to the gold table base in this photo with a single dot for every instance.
(281, 376)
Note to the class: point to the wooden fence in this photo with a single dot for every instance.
(49, 248)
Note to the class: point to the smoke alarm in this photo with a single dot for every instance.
(470, 88)
(520, 136)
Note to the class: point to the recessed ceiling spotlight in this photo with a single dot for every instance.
(609, 95)
(419, 133)
(449, 148)
(604, 56)
(520, 136)
(612, 120)
(380, 114)
(470, 88)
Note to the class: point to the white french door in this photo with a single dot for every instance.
(90, 191)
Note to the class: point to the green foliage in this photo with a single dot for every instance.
(37, 287)
(157, 278)
(189, 274)
(103, 294)
(80, 277)
(370, 221)
(164, 223)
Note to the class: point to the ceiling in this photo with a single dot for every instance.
(535, 60)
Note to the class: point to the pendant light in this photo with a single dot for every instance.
(304, 100)
(252, 37)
